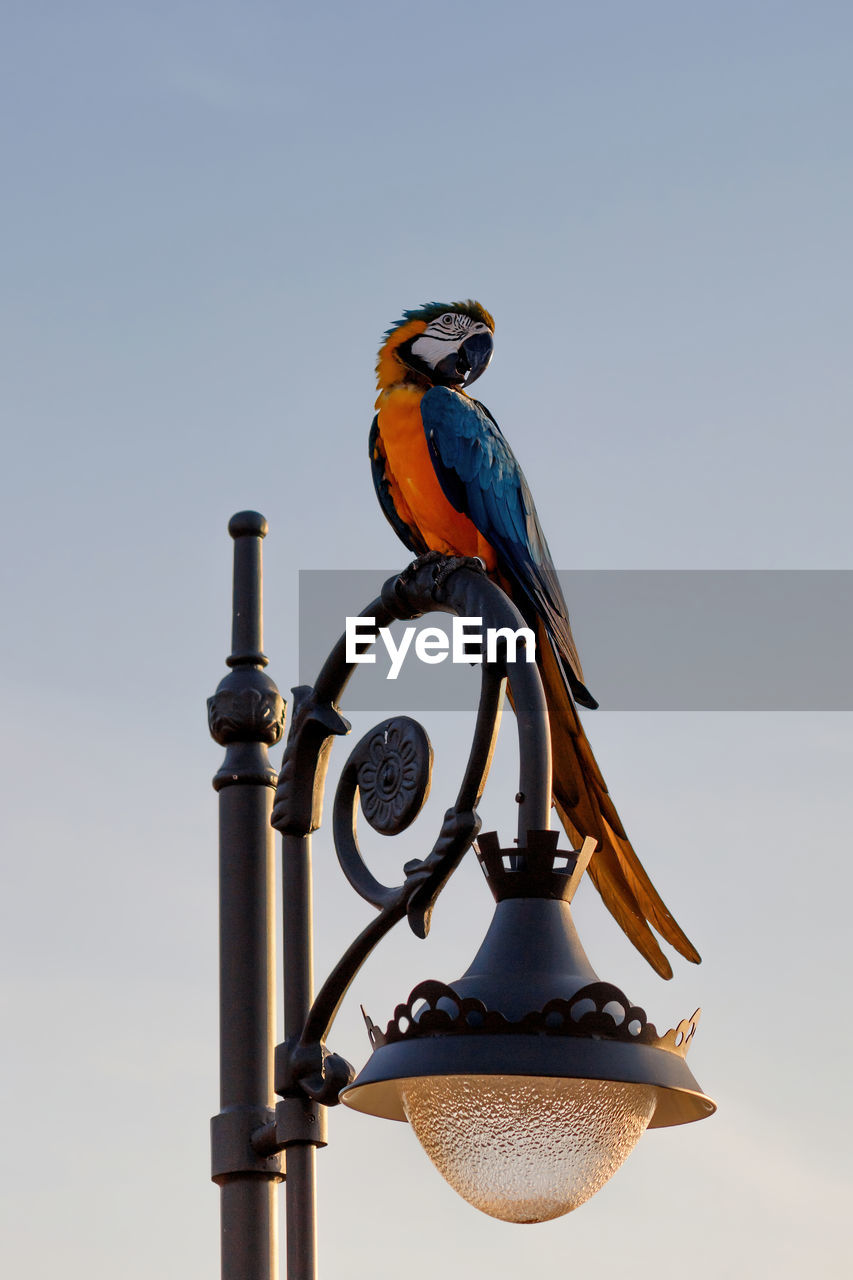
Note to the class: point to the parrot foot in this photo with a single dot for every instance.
(428, 557)
(443, 566)
(395, 591)
(449, 565)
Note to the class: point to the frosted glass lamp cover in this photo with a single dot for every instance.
(526, 1148)
(528, 1081)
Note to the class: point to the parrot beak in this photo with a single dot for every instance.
(464, 366)
(459, 368)
(476, 351)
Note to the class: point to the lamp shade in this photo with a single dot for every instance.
(528, 1080)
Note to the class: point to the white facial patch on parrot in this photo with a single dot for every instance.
(445, 335)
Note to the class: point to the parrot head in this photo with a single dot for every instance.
(447, 344)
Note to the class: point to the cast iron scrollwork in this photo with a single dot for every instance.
(388, 774)
(393, 774)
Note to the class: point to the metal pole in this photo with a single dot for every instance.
(297, 930)
(246, 715)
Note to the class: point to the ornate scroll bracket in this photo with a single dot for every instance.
(304, 1063)
(311, 1069)
(388, 775)
(298, 806)
(426, 878)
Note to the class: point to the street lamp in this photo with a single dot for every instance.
(528, 1080)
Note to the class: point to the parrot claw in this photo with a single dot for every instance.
(449, 565)
(443, 567)
(428, 557)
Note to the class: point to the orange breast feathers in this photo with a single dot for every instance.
(413, 484)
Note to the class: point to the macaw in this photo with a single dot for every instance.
(448, 482)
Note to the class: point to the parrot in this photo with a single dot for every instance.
(448, 483)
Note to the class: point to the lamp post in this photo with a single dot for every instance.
(246, 716)
(528, 1080)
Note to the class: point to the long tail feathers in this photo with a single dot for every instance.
(585, 809)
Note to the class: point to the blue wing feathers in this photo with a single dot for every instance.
(480, 476)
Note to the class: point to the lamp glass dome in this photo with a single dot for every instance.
(526, 1148)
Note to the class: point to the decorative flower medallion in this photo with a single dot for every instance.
(394, 774)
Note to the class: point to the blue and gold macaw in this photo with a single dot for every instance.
(448, 481)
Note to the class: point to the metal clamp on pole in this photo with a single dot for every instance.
(300, 1122)
(235, 1146)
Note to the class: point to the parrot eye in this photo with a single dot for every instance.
(447, 319)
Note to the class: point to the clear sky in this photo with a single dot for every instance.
(211, 212)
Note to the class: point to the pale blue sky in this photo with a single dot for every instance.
(211, 212)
